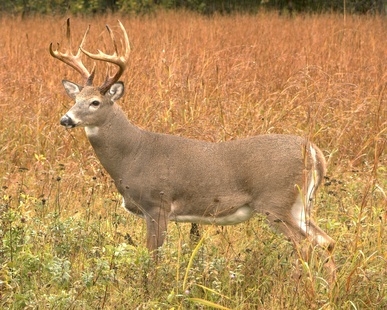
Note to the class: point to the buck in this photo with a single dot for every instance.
(170, 178)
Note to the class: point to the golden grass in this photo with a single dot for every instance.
(217, 78)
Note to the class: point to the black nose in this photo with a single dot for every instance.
(67, 121)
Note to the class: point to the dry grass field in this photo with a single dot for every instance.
(66, 242)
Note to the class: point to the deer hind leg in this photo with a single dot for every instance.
(305, 242)
(305, 234)
(319, 238)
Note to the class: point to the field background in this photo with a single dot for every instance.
(67, 243)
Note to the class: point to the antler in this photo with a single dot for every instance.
(120, 61)
(72, 60)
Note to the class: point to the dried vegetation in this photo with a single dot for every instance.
(66, 243)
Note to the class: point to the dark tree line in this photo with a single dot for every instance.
(202, 6)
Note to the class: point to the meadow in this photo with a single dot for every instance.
(68, 244)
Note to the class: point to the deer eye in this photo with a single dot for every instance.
(95, 103)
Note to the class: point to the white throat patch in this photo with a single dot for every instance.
(91, 130)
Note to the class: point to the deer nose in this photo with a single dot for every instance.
(67, 121)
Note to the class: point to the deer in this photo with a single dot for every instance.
(163, 177)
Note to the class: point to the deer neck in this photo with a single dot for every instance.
(114, 141)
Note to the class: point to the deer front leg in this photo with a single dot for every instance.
(156, 226)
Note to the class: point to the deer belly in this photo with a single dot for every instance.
(241, 214)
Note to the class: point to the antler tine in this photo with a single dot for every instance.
(74, 61)
(111, 33)
(119, 61)
(68, 35)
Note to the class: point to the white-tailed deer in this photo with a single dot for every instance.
(169, 178)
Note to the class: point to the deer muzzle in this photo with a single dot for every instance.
(67, 121)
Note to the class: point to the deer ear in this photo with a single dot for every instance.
(71, 88)
(116, 91)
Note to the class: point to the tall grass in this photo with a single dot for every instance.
(67, 244)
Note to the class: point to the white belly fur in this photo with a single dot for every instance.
(240, 215)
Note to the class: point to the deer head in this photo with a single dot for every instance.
(91, 103)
